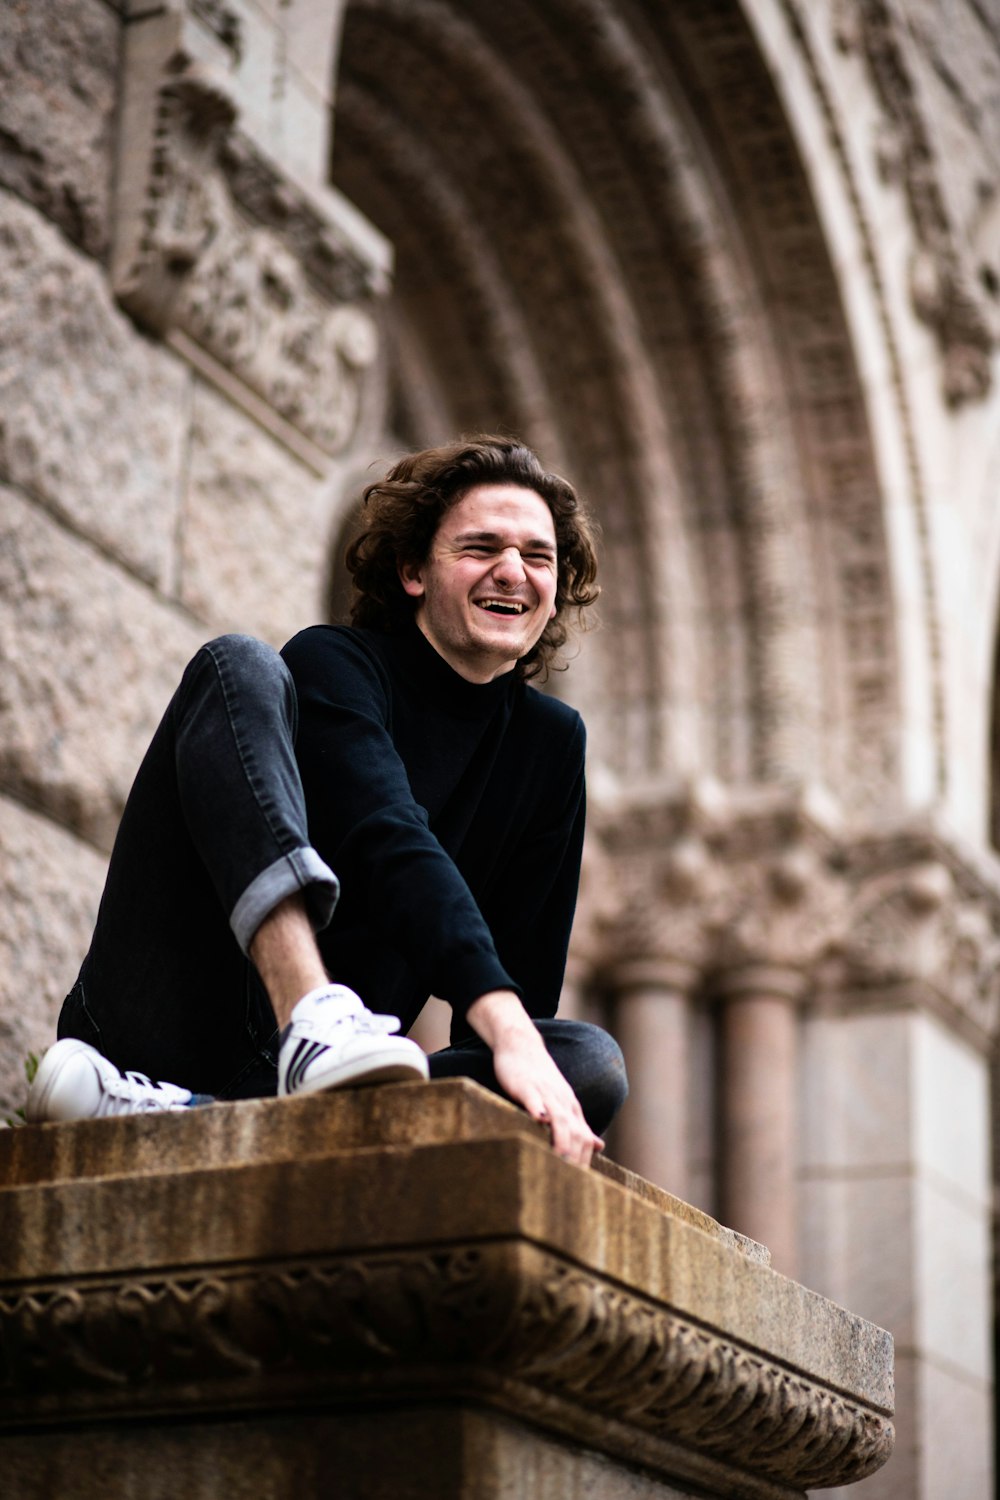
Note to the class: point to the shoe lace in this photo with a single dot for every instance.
(374, 1024)
(140, 1092)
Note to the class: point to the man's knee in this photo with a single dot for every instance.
(592, 1062)
(244, 655)
(246, 667)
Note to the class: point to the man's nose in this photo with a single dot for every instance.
(509, 567)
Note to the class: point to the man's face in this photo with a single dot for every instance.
(487, 588)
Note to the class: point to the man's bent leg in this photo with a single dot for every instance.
(212, 840)
(589, 1059)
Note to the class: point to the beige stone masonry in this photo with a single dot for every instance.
(75, 717)
(417, 1250)
(260, 275)
(50, 886)
(93, 417)
(58, 80)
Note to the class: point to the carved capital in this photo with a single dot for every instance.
(763, 891)
(507, 1322)
(924, 919)
(777, 917)
(258, 279)
(717, 883)
(664, 874)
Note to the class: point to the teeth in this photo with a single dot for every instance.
(502, 606)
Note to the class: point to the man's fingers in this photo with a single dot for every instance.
(572, 1137)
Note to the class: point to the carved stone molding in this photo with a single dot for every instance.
(924, 919)
(724, 883)
(765, 888)
(947, 287)
(219, 250)
(504, 1320)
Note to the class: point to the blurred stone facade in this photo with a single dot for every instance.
(736, 268)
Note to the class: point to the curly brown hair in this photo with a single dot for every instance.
(403, 511)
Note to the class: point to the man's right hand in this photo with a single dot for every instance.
(527, 1074)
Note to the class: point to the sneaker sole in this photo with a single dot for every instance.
(362, 1070)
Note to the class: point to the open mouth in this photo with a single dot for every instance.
(507, 608)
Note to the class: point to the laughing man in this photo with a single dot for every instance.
(408, 752)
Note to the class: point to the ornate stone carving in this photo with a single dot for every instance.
(718, 888)
(920, 918)
(469, 1317)
(222, 252)
(223, 21)
(946, 291)
(725, 883)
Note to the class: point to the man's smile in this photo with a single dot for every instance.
(501, 606)
(487, 589)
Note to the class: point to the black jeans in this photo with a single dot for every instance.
(213, 837)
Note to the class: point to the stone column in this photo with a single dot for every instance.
(652, 1000)
(759, 1132)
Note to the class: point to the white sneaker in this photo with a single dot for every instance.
(333, 1039)
(74, 1082)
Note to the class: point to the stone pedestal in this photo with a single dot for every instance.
(400, 1292)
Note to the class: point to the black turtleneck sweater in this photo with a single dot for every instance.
(452, 813)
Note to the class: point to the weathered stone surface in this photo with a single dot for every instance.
(50, 884)
(257, 527)
(220, 247)
(449, 1451)
(310, 1126)
(92, 416)
(58, 75)
(445, 1250)
(88, 661)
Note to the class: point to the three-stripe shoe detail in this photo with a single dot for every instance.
(333, 1040)
(303, 1055)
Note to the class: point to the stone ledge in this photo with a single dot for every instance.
(408, 1245)
(258, 1130)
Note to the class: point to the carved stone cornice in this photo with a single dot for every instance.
(555, 1343)
(260, 280)
(765, 890)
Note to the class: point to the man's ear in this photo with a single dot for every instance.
(411, 576)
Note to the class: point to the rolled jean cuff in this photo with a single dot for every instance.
(302, 870)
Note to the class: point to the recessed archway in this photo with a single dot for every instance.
(605, 242)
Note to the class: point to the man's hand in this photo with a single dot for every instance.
(526, 1072)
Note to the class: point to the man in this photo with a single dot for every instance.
(407, 752)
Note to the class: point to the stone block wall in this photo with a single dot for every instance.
(151, 494)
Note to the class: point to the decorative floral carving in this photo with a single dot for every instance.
(945, 289)
(492, 1314)
(720, 882)
(226, 251)
(915, 924)
(708, 884)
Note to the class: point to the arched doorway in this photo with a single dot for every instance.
(605, 242)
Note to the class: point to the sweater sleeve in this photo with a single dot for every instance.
(365, 822)
(531, 918)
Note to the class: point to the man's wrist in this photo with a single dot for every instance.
(500, 1019)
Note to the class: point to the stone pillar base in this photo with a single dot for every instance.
(400, 1292)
